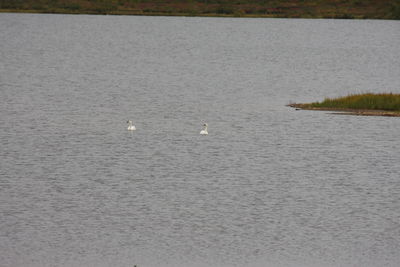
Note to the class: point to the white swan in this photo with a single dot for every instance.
(204, 131)
(131, 127)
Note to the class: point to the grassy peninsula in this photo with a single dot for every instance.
(343, 9)
(359, 104)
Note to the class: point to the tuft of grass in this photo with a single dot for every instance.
(369, 101)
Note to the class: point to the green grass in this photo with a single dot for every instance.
(369, 101)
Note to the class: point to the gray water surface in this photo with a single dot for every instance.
(269, 186)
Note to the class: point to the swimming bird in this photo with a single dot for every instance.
(204, 131)
(131, 127)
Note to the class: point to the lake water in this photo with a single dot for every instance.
(269, 186)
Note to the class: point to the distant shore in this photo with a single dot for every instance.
(343, 111)
(361, 104)
(353, 9)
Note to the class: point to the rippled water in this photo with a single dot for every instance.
(269, 186)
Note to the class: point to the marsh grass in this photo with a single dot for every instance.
(358, 9)
(368, 101)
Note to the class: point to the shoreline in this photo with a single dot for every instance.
(312, 9)
(279, 15)
(184, 14)
(138, 13)
(347, 111)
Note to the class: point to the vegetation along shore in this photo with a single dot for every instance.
(358, 9)
(359, 104)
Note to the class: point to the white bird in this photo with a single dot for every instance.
(131, 127)
(204, 131)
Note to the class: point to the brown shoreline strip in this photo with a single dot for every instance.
(356, 112)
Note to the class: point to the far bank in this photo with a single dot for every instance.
(359, 104)
(353, 9)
